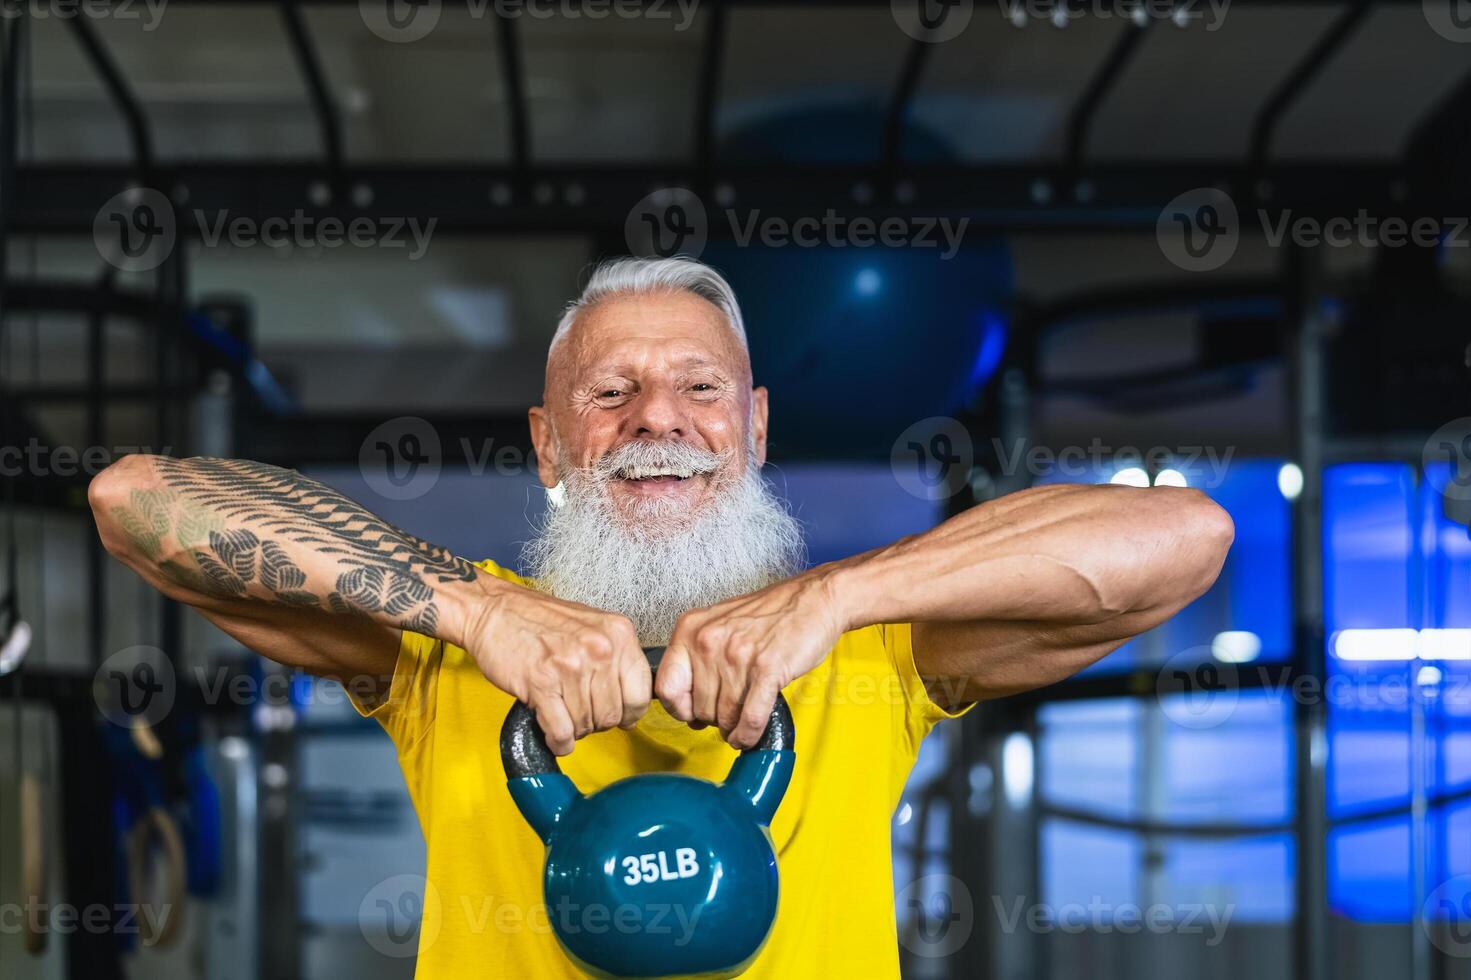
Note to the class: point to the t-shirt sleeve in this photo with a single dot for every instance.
(407, 711)
(921, 712)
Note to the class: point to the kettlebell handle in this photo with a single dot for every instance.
(524, 749)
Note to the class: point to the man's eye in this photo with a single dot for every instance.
(702, 386)
(609, 393)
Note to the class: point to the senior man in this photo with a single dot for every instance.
(660, 530)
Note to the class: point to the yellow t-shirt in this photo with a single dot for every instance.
(859, 719)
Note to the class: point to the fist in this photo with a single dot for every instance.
(581, 669)
(725, 664)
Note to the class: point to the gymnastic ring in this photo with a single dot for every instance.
(33, 863)
(156, 823)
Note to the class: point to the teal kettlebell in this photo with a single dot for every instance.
(658, 874)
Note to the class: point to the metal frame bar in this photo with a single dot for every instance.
(712, 68)
(12, 35)
(1080, 120)
(1161, 296)
(60, 296)
(121, 93)
(891, 152)
(65, 199)
(1302, 282)
(1222, 829)
(513, 78)
(329, 120)
(474, 5)
(1149, 684)
(1264, 126)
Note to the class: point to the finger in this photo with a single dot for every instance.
(733, 683)
(637, 684)
(675, 682)
(704, 690)
(576, 693)
(605, 694)
(756, 712)
(556, 724)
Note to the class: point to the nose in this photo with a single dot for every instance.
(657, 413)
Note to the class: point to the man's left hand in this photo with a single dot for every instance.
(725, 664)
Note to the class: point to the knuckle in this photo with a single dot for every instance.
(621, 628)
(770, 669)
(567, 662)
(709, 638)
(740, 651)
(595, 644)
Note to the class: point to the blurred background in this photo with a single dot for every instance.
(980, 246)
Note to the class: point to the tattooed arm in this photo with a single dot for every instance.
(309, 578)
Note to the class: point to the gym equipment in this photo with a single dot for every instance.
(199, 820)
(142, 821)
(33, 863)
(658, 874)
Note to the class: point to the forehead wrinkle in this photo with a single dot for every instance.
(575, 354)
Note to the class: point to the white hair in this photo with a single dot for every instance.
(635, 276)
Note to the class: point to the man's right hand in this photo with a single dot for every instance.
(581, 669)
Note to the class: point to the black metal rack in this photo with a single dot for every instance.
(593, 199)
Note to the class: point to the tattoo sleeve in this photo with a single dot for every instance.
(241, 530)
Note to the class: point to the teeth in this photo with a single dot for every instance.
(648, 472)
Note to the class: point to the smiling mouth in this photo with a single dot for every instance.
(656, 474)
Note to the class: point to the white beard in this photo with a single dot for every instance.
(659, 562)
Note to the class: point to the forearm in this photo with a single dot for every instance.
(233, 533)
(1066, 555)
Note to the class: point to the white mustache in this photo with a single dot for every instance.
(641, 460)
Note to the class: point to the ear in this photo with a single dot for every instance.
(545, 445)
(758, 423)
